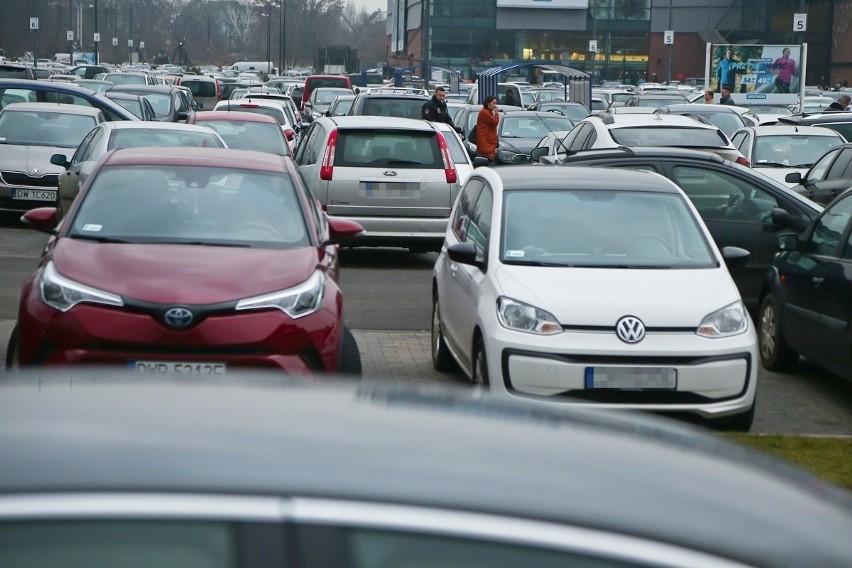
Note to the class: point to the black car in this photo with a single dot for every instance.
(520, 131)
(260, 471)
(56, 92)
(87, 71)
(838, 121)
(830, 176)
(735, 203)
(806, 306)
(171, 103)
(137, 104)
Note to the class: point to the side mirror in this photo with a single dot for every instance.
(341, 230)
(783, 219)
(44, 219)
(60, 160)
(464, 253)
(788, 242)
(289, 134)
(182, 116)
(735, 257)
(521, 159)
(537, 153)
(480, 161)
(793, 177)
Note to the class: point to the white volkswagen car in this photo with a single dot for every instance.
(598, 287)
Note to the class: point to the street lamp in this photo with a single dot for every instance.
(97, 35)
(281, 30)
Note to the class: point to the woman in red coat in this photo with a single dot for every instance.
(486, 128)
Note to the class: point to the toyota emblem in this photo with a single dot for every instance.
(630, 329)
(389, 173)
(178, 317)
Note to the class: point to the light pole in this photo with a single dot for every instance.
(97, 35)
(281, 39)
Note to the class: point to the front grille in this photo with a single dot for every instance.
(19, 178)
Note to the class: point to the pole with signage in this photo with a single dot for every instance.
(668, 40)
(97, 36)
(34, 28)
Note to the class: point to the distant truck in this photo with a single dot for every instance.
(258, 66)
(334, 69)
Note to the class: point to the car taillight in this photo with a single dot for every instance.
(449, 166)
(246, 105)
(290, 134)
(743, 161)
(327, 167)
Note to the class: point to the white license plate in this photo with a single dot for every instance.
(663, 378)
(389, 190)
(177, 368)
(34, 194)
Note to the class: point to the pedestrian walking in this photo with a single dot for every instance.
(726, 96)
(486, 128)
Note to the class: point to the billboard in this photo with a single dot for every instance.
(768, 73)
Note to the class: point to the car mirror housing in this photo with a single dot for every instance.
(793, 177)
(788, 242)
(44, 219)
(342, 230)
(465, 253)
(537, 153)
(480, 161)
(735, 257)
(59, 160)
(782, 219)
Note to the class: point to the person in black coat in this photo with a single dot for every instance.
(436, 108)
(841, 103)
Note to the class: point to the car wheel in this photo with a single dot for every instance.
(442, 359)
(13, 360)
(775, 355)
(350, 356)
(480, 363)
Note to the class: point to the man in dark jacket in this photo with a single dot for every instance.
(436, 108)
(841, 103)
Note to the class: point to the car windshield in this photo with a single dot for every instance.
(795, 151)
(260, 136)
(42, 128)
(191, 205)
(401, 107)
(727, 122)
(601, 229)
(532, 126)
(326, 96)
(575, 112)
(669, 136)
(137, 137)
(651, 102)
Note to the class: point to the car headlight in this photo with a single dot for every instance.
(725, 322)
(519, 316)
(296, 302)
(506, 155)
(62, 293)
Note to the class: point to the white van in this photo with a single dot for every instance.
(259, 66)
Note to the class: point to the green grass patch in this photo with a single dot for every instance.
(829, 458)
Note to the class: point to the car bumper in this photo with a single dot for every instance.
(400, 231)
(669, 372)
(90, 334)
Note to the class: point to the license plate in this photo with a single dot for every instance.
(177, 368)
(631, 378)
(34, 194)
(389, 190)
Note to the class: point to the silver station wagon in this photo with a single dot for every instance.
(394, 176)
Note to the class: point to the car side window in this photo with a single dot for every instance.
(638, 167)
(580, 141)
(313, 146)
(719, 196)
(829, 228)
(840, 164)
(740, 141)
(93, 140)
(461, 218)
(65, 98)
(817, 171)
(83, 148)
(480, 222)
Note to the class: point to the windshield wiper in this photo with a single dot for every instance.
(98, 239)
(533, 263)
(403, 162)
(771, 165)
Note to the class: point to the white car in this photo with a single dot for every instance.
(600, 287)
(780, 150)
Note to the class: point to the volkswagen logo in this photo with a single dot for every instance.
(630, 329)
(389, 173)
(36, 170)
(178, 317)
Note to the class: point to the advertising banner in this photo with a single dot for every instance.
(756, 73)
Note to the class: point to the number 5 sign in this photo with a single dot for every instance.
(668, 37)
(800, 22)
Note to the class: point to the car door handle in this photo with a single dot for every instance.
(817, 280)
(453, 269)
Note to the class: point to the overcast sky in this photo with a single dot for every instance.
(372, 5)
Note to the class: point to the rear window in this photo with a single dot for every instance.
(15, 72)
(403, 108)
(139, 137)
(380, 149)
(668, 136)
(201, 88)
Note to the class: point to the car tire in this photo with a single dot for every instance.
(13, 360)
(775, 355)
(479, 373)
(350, 356)
(442, 359)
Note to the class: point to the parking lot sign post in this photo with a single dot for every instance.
(34, 28)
